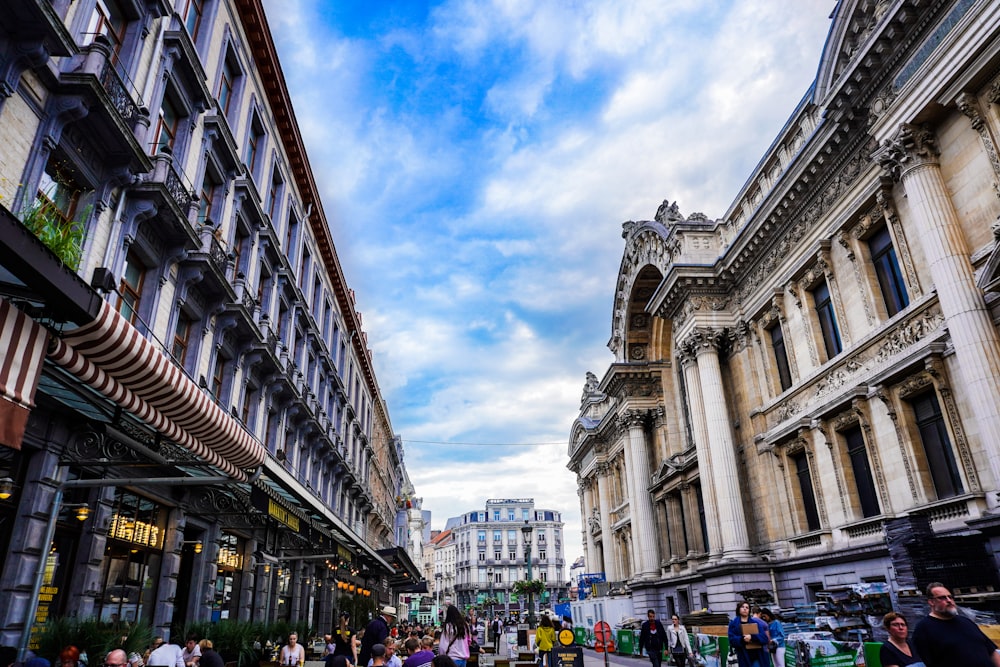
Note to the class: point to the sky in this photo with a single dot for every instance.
(476, 160)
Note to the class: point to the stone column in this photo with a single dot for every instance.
(731, 517)
(911, 157)
(607, 540)
(700, 427)
(588, 514)
(645, 555)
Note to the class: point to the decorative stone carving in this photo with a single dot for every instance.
(912, 146)
(969, 105)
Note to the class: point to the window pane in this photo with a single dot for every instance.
(890, 279)
(827, 320)
(937, 446)
(781, 357)
(861, 467)
(801, 463)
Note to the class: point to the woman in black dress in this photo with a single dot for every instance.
(898, 651)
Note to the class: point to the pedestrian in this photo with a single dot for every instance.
(391, 659)
(545, 639)
(496, 630)
(191, 652)
(116, 658)
(209, 656)
(899, 650)
(652, 636)
(946, 638)
(416, 654)
(748, 638)
(343, 639)
(292, 653)
(165, 655)
(776, 631)
(455, 636)
(375, 633)
(69, 657)
(378, 656)
(442, 661)
(678, 643)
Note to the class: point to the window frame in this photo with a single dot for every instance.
(888, 274)
(826, 318)
(862, 470)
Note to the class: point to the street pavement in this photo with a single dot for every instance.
(591, 658)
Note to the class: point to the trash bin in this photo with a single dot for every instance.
(580, 636)
(627, 644)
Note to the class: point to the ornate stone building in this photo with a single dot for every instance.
(192, 368)
(816, 371)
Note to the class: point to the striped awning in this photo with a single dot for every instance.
(111, 355)
(19, 372)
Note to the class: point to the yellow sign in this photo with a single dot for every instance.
(278, 512)
(131, 530)
(566, 637)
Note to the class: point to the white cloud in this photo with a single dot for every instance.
(476, 169)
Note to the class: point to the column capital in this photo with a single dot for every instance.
(912, 146)
(705, 339)
(633, 418)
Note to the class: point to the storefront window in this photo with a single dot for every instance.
(229, 577)
(131, 559)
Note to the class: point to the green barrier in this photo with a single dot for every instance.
(627, 644)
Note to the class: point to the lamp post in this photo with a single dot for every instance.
(489, 575)
(437, 591)
(526, 533)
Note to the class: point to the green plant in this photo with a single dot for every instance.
(95, 637)
(533, 586)
(63, 237)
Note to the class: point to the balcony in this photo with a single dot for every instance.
(115, 118)
(173, 200)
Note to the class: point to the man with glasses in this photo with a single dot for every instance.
(945, 638)
(117, 658)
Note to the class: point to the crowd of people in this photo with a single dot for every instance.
(943, 638)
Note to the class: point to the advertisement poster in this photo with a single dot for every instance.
(709, 647)
(823, 654)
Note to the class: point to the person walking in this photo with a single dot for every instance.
(343, 639)
(678, 644)
(375, 633)
(455, 636)
(899, 650)
(777, 632)
(748, 638)
(545, 639)
(945, 638)
(292, 653)
(652, 636)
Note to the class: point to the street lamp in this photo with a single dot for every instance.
(489, 575)
(437, 590)
(526, 533)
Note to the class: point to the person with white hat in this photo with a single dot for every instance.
(375, 633)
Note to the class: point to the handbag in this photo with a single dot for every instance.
(772, 646)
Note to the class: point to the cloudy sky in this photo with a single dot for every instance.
(477, 159)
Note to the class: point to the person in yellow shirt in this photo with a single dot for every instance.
(545, 637)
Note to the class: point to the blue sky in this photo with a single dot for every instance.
(477, 159)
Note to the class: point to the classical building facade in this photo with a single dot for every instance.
(804, 393)
(193, 370)
(489, 554)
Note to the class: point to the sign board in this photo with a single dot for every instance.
(566, 637)
(567, 656)
(603, 638)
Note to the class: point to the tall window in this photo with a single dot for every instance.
(781, 357)
(166, 126)
(240, 243)
(861, 467)
(192, 14)
(890, 278)
(227, 85)
(827, 320)
(937, 446)
(58, 194)
(255, 145)
(109, 21)
(209, 191)
(218, 376)
(274, 193)
(130, 290)
(801, 464)
(182, 338)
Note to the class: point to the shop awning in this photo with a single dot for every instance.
(112, 356)
(19, 372)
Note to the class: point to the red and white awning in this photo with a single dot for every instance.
(20, 368)
(112, 356)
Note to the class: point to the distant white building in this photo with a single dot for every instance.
(490, 554)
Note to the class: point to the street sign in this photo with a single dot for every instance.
(567, 656)
(603, 639)
(566, 637)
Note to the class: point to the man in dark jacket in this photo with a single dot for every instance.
(375, 633)
(651, 638)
